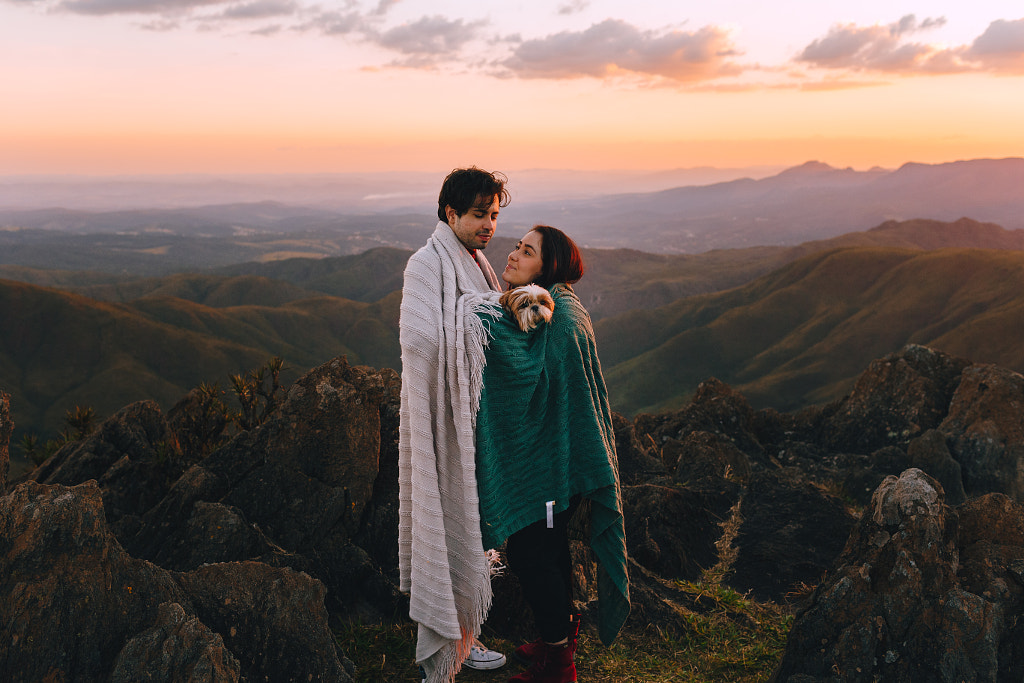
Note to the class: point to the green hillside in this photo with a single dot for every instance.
(800, 335)
(797, 335)
(58, 349)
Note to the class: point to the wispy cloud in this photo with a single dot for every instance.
(383, 6)
(429, 38)
(887, 49)
(166, 7)
(260, 9)
(573, 7)
(334, 23)
(873, 48)
(614, 47)
(1000, 48)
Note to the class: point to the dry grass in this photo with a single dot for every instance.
(732, 640)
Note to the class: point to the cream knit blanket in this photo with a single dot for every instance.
(441, 559)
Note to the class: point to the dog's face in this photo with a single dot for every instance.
(529, 305)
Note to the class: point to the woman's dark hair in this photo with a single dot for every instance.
(463, 186)
(561, 260)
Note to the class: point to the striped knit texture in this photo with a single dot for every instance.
(441, 557)
(544, 432)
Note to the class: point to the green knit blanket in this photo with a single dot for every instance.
(544, 433)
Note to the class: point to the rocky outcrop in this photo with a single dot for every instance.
(176, 647)
(78, 607)
(985, 430)
(791, 531)
(898, 398)
(6, 429)
(921, 592)
(247, 543)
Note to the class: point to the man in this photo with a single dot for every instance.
(442, 563)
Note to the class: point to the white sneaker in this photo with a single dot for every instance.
(483, 659)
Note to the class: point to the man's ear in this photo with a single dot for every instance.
(450, 213)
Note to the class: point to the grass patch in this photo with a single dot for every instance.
(730, 639)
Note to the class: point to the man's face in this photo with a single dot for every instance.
(475, 228)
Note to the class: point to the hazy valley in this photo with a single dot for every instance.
(162, 300)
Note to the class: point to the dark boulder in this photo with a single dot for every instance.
(177, 647)
(6, 429)
(297, 491)
(76, 606)
(921, 592)
(672, 530)
(71, 596)
(898, 398)
(705, 457)
(638, 456)
(131, 454)
(791, 532)
(272, 619)
(715, 408)
(930, 454)
(985, 430)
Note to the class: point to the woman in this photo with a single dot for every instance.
(544, 440)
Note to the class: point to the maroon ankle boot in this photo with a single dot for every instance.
(551, 664)
(525, 654)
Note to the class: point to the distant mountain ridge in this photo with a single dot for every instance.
(664, 322)
(813, 201)
(809, 202)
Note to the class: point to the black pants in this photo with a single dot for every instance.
(540, 558)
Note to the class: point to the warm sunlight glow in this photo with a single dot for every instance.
(213, 87)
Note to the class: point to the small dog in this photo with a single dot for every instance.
(529, 305)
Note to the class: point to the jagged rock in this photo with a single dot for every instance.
(790, 534)
(157, 535)
(703, 456)
(75, 605)
(985, 430)
(930, 454)
(216, 532)
(71, 597)
(377, 535)
(672, 530)
(6, 429)
(297, 491)
(311, 467)
(716, 408)
(272, 619)
(921, 592)
(898, 398)
(863, 474)
(637, 456)
(131, 454)
(177, 647)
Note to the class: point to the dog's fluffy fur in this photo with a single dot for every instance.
(529, 305)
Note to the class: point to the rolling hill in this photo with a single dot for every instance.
(799, 335)
(617, 280)
(794, 336)
(59, 349)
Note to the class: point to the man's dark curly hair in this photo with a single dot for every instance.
(463, 187)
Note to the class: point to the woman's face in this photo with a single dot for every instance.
(524, 263)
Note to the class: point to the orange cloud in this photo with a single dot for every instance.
(885, 49)
(613, 47)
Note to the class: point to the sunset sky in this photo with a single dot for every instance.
(283, 86)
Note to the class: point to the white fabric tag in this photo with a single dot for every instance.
(551, 514)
